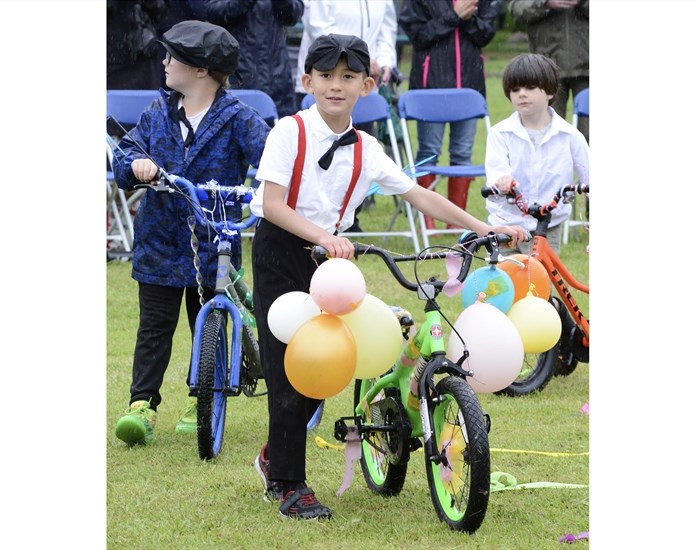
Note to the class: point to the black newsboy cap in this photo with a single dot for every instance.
(202, 44)
(325, 52)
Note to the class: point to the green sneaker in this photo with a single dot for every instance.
(137, 425)
(188, 421)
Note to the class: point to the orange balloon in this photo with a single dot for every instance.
(321, 357)
(520, 276)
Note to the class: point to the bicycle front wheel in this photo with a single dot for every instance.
(384, 475)
(460, 482)
(212, 377)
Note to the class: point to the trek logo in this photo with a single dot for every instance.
(436, 332)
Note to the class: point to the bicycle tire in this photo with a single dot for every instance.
(460, 483)
(383, 476)
(537, 370)
(570, 341)
(212, 375)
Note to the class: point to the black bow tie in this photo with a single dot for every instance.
(346, 139)
(189, 136)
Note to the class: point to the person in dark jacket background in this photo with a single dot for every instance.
(559, 29)
(202, 132)
(132, 51)
(447, 39)
(259, 26)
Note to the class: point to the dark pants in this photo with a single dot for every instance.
(281, 264)
(160, 307)
(573, 85)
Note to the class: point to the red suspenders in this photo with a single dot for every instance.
(299, 167)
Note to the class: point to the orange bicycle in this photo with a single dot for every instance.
(573, 345)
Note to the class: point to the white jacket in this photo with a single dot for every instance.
(374, 21)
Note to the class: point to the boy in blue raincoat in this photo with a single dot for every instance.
(202, 132)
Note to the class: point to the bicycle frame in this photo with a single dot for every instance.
(231, 293)
(561, 278)
(427, 342)
(221, 302)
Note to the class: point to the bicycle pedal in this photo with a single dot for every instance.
(414, 444)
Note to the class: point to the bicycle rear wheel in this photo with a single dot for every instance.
(460, 483)
(212, 376)
(536, 372)
(383, 471)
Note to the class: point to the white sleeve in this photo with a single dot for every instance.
(386, 41)
(496, 156)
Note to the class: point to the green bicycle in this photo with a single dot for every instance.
(442, 413)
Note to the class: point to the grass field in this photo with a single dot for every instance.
(163, 496)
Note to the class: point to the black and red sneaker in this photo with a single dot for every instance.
(271, 491)
(303, 504)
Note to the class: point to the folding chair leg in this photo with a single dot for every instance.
(458, 192)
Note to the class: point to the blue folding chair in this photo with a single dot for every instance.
(374, 108)
(580, 108)
(265, 107)
(261, 102)
(125, 106)
(444, 105)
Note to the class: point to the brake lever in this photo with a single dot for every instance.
(159, 187)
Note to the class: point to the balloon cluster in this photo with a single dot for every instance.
(506, 314)
(334, 333)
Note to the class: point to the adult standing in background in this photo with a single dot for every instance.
(374, 21)
(447, 38)
(559, 29)
(259, 27)
(132, 51)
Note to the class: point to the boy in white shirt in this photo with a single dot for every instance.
(534, 147)
(311, 209)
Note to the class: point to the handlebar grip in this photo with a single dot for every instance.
(486, 191)
(318, 253)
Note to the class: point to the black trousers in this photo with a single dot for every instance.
(281, 263)
(160, 307)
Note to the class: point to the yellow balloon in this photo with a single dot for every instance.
(377, 334)
(538, 323)
(320, 357)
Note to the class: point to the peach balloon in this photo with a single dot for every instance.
(320, 358)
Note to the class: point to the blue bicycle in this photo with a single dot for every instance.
(225, 360)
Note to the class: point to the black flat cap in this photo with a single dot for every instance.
(202, 44)
(326, 50)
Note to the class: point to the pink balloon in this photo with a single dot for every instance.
(494, 344)
(338, 286)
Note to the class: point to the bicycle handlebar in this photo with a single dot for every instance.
(229, 195)
(565, 194)
(467, 246)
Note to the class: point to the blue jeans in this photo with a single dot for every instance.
(461, 138)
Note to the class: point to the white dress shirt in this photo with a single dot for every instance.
(322, 192)
(560, 158)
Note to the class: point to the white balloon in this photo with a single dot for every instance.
(289, 312)
(496, 352)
